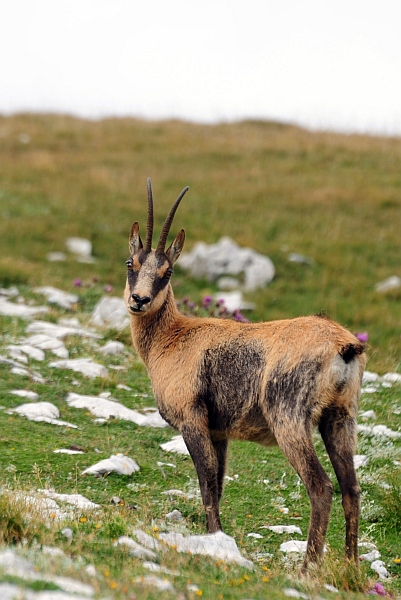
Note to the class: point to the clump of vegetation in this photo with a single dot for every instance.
(17, 523)
(208, 307)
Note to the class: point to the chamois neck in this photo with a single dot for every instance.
(146, 329)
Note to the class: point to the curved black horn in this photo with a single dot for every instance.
(149, 226)
(167, 223)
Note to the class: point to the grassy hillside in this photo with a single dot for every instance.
(277, 188)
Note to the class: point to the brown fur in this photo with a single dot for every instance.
(271, 383)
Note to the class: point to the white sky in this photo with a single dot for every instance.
(320, 63)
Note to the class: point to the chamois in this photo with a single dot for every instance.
(270, 383)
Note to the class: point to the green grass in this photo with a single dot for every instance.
(276, 188)
(264, 485)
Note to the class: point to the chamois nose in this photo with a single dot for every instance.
(140, 301)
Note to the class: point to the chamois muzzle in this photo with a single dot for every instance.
(139, 302)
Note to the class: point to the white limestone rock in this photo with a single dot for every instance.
(10, 309)
(48, 343)
(379, 430)
(360, 460)
(380, 568)
(86, 366)
(234, 301)
(135, 549)
(163, 585)
(81, 247)
(176, 444)
(283, 529)
(76, 500)
(41, 412)
(56, 256)
(117, 463)
(26, 349)
(55, 296)
(217, 545)
(110, 311)
(67, 451)
(391, 283)
(9, 292)
(370, 556)
(112, 348)
(369, 377)
(105, 408)
(175, 516)
(58, 331)
(391, 378)
(227, 258)
(28, 394)
(294, 547)
(368, 415)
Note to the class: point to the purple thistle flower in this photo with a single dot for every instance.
(378, 590)
(363, 336)
(238, 316)
(77, 282)
(108, 288)
(206, 301)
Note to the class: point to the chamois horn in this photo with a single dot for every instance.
(149, 225)
(167, 223)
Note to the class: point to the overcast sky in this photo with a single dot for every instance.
(322, 64)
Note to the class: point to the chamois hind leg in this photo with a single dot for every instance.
(338, 430)
(221, 453)
(205, 459)
(296, 443)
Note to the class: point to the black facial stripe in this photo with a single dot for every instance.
(132, 277)
(158, 285)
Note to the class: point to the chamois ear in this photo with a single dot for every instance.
(174, 250)
(135, 242)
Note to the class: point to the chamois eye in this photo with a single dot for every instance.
(129, 263)
(168, 274)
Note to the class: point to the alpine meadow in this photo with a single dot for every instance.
(326, 209)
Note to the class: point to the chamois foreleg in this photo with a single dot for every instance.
(338, 430)
(296, 444)
(207, 465)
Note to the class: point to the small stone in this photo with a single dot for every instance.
(112, 348)
(86, 366)
(117, 463)
(368, 415)
(391, 283)
(56, 256)
(380, 568)
(370, 556)
(56, 296)
(300, 258)
(175, 516)
(360, 460)
(32, 396)
(79, 246)
(392, 378)
(110, 312)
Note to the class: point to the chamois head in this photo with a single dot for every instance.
(149, 270)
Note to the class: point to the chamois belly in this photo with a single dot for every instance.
(251, 426)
